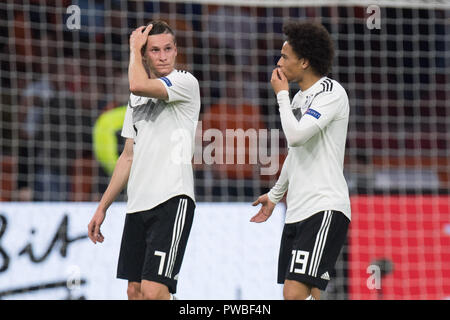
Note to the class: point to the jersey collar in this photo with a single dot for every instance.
(313, 87)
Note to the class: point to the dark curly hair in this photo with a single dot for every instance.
(311, 41)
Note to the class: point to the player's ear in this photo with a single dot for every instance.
(176, 49)
(304, 63)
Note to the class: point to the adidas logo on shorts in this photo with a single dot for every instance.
(325, 276)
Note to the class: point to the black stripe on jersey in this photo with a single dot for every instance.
(329, 84)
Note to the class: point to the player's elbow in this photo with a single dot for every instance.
(298, 138)
(125, 159)
(133, 88)
(128, 158)
(136, 89)
(127, 153)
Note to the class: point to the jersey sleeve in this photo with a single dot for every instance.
(180, 86)
(322, 111)
(296, 132)
(324, 108)
(279, 189)
(127, 128)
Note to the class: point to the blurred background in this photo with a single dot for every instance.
(64, 87)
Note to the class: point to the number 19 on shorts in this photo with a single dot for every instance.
(299, 261)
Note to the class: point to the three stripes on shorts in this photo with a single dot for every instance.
(319, 245)
(176, 235)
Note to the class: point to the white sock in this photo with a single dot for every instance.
(310, 297)
(172, 297)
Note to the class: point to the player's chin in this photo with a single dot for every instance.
(164, 71)
(289, 77)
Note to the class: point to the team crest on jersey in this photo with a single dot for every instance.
(308, 102)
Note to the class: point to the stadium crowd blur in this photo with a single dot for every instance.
(55, 83)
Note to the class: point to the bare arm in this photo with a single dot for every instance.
(118, 181)
(140, 84)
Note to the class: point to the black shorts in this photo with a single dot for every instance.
(154, 241)
(309, 248)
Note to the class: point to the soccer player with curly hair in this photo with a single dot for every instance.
(315, 125)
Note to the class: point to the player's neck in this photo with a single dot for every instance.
(308, 81)
(156, 75)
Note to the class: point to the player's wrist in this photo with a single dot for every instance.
(135, 51)
(102, 207)
(283, 98)
(283, 93)
(271, 198)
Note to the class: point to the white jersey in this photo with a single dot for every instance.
(164, 135)
(315, 125)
